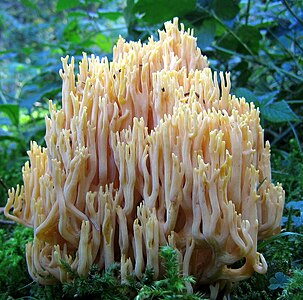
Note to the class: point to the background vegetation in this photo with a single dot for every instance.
(261, 42)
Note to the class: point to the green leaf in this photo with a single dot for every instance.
(248, 95)
(110, 15)
(278, 112)
(279, 281)
(263, 244)
(206, 35)
(10, 138)
(251, 37)
(29, 4)
(12, 111)
(66, 4)
(77, 14)
(129, 15)
(104, 42)
(227, 9)
(72, 32)
(245, 40)
(226, 46)
(158, 11)
(268, 98)
(275, 112)
(38, 93)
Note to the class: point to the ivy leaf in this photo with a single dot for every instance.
(279, 281)
(278, 112)
(12, 111)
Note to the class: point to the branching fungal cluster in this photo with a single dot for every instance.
(149, 150)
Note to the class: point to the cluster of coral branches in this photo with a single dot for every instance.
(149, 150)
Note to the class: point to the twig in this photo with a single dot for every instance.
(247, 12)
(4, 222)
(285, 49)
(294, 40)
(292, 12)
(252, 57)
(296, 135)
(283, 134)
(270, 65)
(213, 14)
(3, 184)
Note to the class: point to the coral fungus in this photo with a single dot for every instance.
(149, 150)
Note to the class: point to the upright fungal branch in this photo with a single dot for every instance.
(148, 150)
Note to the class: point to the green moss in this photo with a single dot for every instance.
(96, 285)
(287, 168)
(294, 288)
(13, 276)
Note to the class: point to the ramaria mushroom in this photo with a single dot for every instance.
(146, 151)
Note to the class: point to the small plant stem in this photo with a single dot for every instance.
(247, 12)
(233, 34)
(282, 135)
(286, 50)
(294, 39)
(219, 20)
(292, 12)
(2, 97)
(294, 101)
(4, 222)
(270, 65)
(3, 184)
(296, 135)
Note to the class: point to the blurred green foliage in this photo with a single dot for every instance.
(259, 41)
